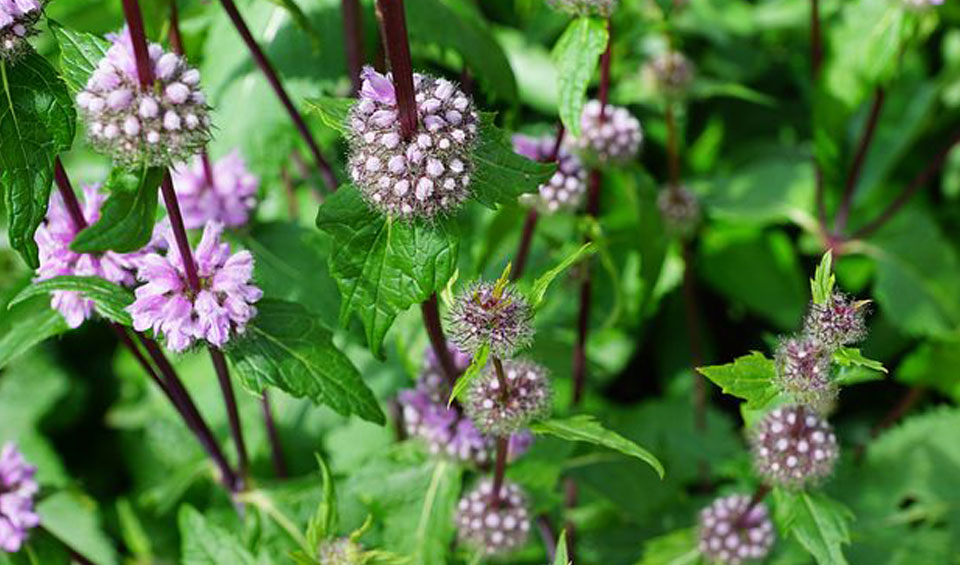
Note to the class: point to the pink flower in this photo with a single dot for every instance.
(228, 200)
(17, 489)
(222, 307)
(17, 20)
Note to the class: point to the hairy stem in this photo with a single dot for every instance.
(179, 232)
(131, 12)
(843, 212)
(499, 470)
(393, 25)
(233, 414)
(353, 37)
(273, 436)
(431, 320)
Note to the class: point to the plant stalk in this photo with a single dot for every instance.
(431, 320)
(273, 436)
(843, 213)
(233, 413)
(586, 288)
(393, 26)
(499, 471)
(131, 12)
(526, 241)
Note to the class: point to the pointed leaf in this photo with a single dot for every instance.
(577, 55)
(822, 283)
(819, 523)
(80, 53)
(477, 363)
(749, 377)
(27, 324)
(111, 300)
(333, 112)
(541, 285)
(207, 544)
(127, 217)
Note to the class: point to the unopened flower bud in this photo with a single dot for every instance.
(489, 314)
(671, 72)
(793, 446)
(565, 189)
(839, 321)
(680, 210)
(503, 411)
(493, 527)
(803, 371)
(614, 138)
(731, 531)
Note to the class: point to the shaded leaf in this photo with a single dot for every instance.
(73, 518)
(127, 217)
(27, 324)
(577, 55)
(79, 54)
(500, 175)
(749, 377)
(111, 300)
(820, 524)
(204, 543)
(332, 111)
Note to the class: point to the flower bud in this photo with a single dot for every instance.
(613, 139)
(493, 528)
(793, 447)
(672, 73)
(680, 210)
(500, 412)
(489, 314)
(839, 321)
(731, 531)
(565, 189)
(803, 371)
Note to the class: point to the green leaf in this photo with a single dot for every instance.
(477, 363)
(819, 523)
(500, 175)
(80, 53)
(132, 532)
(675, 548)
(541, 285)
(562, 556)
(383, 265)
(27, 324)
(851, 357)
(286, 347)
(323, 525)
(823, 281)
(37, 122)
(111, 300)
(204, 543)
(73, 518)
(749, 377)
(300, 18)
(587, 429)
(577, 55)
(333, 112)
(127, 217)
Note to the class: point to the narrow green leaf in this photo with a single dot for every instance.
(286, 347)
(204, 543)
(500, 175)
(80, 53)
(541, 285)
(324, 523)
(134, 535)
(822, 283)
(27, 324)
(819, 523)
(851, 357)
(577, 54)
(587, 429)
(477, 363)
(562, 556)
(332, 112)
(111, 300)
(749, 377)
(127, 217)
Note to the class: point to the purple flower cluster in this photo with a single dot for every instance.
(501, 412)
(493, 529)
(425, 175)
(221, 308)
(17, 20)
(803, 370)
(17, 489)
(566, 187)
(613, 139)
(227, 196)
(672, 72)
(731, 531)
(160, 125)
(488, 314)
(793, 446)
(602, 8)
(839, 321)
(680, 210)
(57, 259)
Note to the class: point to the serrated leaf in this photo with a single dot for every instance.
(204, 543)
(587, 429)
(383, 265)
(73, 517)
(823, 281)
(541, 285)
(819, 523)
(749, 377)
(577, 55)
(111, 300)
(80, 53)
(852, 357)
(333, 112)
(27, 324)
(286, 347)
(37, 122)
(127, 217)
(501, 176)
(477, 363)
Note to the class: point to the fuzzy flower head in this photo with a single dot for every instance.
(527, 397)
(793, 446)
(420, 177)
(227, 196)
(602, 8)
(613, 139)
(224, 304)
(492, 314)
(839, 321)
(17, 489)
(565, 189)
(17, 21)
(493, 529)
(340, 551)
(160, 125)
(671, 71)
(57, 259)
(680, 210)
(732, 532)
(803, 370)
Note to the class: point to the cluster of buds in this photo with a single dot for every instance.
(837, 322)
(503, 408)
(159, 124)
(223, 192)
(793, 446)
(803, 370)
(671, 72)
(734, 529)
(493, 315)
(602, 8)
(565, 189)
(17, 489)
(493, 525)
(419, 177)
(608, 134)
(680, 210)
(17, 21)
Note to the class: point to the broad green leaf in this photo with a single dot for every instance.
(500, 175)
(541, 285)
(127, 217)
(37, 122)
(111, 300)
(577, 55)
(587, 429)
(823, 281)
(204, 543)
(749, 377)
(73, 517)
(820, 524)
(675, 548)
(477, 363)
(286, 347)
(562, 556)
(27, 324)
(384, 265)
(79, 54)
(852, 357)
(333, 112)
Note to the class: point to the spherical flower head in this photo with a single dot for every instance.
(803, 370)
(221, 309)
(53, 240)
(340, 551)
(614, 139)
(420, 177)
(493, 529)
(528, 397)
(793, 446)
(491, 314)
(672, 72)
(18, 19)
(602, 8)
(17, 489)
(161, 125)
(680, 210)
(839, 321)
(565, 189)
(227, 196)
(731, 531)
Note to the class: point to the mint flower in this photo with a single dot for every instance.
(160, 125)
(672, 72)
(528, 397)
(793, 446)
(423, 176)
(603, 8)
(566, 187)
(614, 140)
(493, 315)
(803, 370)
(493, 529)
(839, 321)
(17, 489)
(17, 21)
(732, 532)
(679, 209)
(222, 307)
(228, 200)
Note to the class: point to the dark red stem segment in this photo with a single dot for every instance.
(856, 168)
(131, 11)
(176, 38)
(758, 495)
(273, 436)
(501, 378)
(673, 152)
(431, 320)
(499, 470)
(909, 400)
(207, 168)
(179, 231)
(393, 24)
(233, 414)
(526, 241)
(603, 93)
(586, 290)
(549, 536)
(67, 195)
(696, 341)
(353, 37)
(268, 71)
(570, 496)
